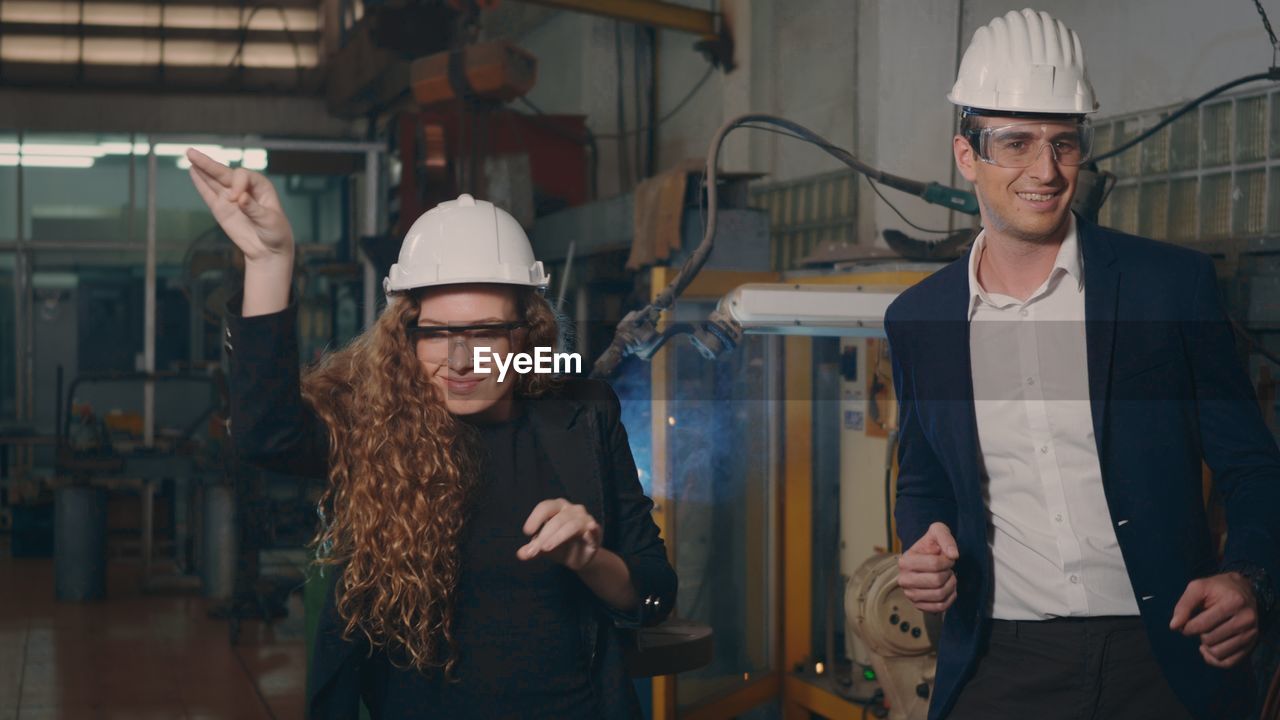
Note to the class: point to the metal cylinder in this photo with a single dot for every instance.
(218, 566)
(80, 543)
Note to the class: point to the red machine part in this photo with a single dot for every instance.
(433, 143)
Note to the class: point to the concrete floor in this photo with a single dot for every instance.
(138, 656)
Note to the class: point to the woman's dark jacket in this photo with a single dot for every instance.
(580, 431)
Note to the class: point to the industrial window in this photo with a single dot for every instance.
(1214, 173)
(808, 213)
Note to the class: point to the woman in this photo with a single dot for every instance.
(489, 538)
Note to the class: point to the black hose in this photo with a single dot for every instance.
(1270, 74)
(703, 251)
(637, 331)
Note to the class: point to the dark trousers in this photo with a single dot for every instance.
(1068, 669)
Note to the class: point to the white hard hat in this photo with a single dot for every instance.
(465, 241)
(1024, 62)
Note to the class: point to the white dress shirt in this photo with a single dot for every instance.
(1051, 536)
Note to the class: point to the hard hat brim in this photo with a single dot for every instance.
(395, 288)
(971, 110)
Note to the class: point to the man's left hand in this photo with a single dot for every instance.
(1222, 610)
(562, 531)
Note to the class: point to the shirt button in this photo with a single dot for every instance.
(1044, 449)
(1031, 381)
(1058, 517)
(1023, 312)
(1075, 580)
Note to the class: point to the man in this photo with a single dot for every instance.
(1059, 387)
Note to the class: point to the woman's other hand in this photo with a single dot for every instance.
(562, 531)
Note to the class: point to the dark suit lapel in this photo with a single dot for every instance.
(942, 370)
(563, 431)
(955, 365)
(1101, 290)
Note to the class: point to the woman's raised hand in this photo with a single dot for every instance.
(246, 206)
(563, 531)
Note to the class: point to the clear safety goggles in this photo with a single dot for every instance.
(1019, 144)
(439, 341)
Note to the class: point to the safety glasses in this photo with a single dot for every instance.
(439, 340)
(1018, 145)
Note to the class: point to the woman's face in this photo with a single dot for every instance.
(448, 357)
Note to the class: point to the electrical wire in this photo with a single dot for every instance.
(293, 41)
(637, 103)
(244, 34)
(1272, 74)
(620, 111)
(800, 132)
(876, 188)
(636, 333)
(670, 113)
(651, 103)
(678, 107)
(284, 22)
(898, 212)
(1266, 24)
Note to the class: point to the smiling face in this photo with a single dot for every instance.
(1030, 203)
(449, 364)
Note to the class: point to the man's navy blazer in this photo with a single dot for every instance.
(1168, 390)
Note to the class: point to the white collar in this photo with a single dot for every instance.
(1067, 260)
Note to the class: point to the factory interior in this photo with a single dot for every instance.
(726, 196)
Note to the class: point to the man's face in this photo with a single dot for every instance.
(1029, 203)
(449, 362)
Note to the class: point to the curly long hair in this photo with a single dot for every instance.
(402, 471)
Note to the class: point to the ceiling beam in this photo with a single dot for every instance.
(715, 39)
(221, 4)
(150, 79)
(176, 111)
(644, 12)
(155, 33)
